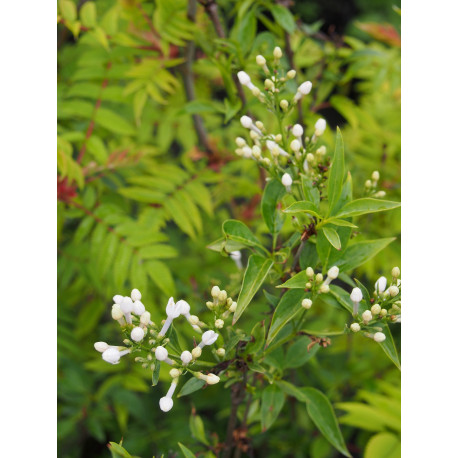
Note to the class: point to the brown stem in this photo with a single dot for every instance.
(188, 79)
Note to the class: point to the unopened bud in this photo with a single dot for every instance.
(291, 74)
(320, 127)
(376, 309)
(379, 337)
(174, 373)
(355, 327)
(260, 60)
(277, 52)
(222, 296)
(367, 316)
(284, 104)
(219, 324)
(295, 145)
(306, 303)
(393, 290)
(395, 272)
(215, 291)
(324, 288)
(196, 352)
(375, 175)
(309, 272)
(319, 278)
(221, 352)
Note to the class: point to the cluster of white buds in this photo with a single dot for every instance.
(222, 306)
(137, 325)
(371, 185)
(315, 282)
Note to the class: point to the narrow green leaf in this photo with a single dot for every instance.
(388, 345)
(332, 236)
(88, 14)
(366, 205)
(239, 232)
(255, 274)
(339, 222)
(383, 445)
(298, 354)
(337, 173)
(303, 206)
(196, 425)
(193, 384)
(156, 372)
(283, 17)
(271, 404)
(161, 276)
(289, 305)
(117, 451)
(186, 452)
(142, 195)
(298, 281)
(121, 264)
(258, 335)
(273, 193)
(113, 122)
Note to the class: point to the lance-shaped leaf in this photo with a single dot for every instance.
(360, 252)
(297, 282)
(320, 411)
(311, 193)
(337, 173)
(366, 205)
(239, 232)
(273, 193)
(186, 452)
(332, 236)
(289, 305)
(388, 345)
(272, 402)
(303, 206)
(193, 384)
(255, 274)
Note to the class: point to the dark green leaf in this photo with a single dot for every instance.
(273, 193)
(337, 173)
(258, 334)
(272, 402)
(186, 452)
(298, 281)
(388, 345)
(239, 232)
(298, 354)
(332, 236)
(311, 192)
(193, 384)
(366, 205)
(156, 371)
(303, 206)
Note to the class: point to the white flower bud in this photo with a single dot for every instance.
(233, 307)
(277, 52)
(308, 285)
(137, 334)
(297, 130)
(116, 312)
(221, 352)
(291, 74)
(376, 309)
(196, 352)
(309, 272)
(244, 78)
(194, 320)
(135, 295)
(379, 337)
(222, 296)
(380, 285)
(310, 158)
(118, 299)
(161, 353)
(319, 278)
(186, 357)
(380, 194)
(212, 379)
(255, 91)
(175, 373)
(269, 84)
(138, 308)
(208, 338)
(368, 183)
(246, 122)
(240, 142)
(321, 151)
(320, 127)
(246, 150)
(165, 403)
(101, 346)
(260, 60)
(219, 324)
(324, 288)
(375, 175)
(393, 290)
(367, 316)
(395, 272)
(111, 355)
(305, 88)
(127, 306)
(286, 180)
(284, 104)
(306, 303)
(333, 272)
(215, 291)
(383, 312)
(356, 295)
(145, 318)
(355, 327)
(295, 145)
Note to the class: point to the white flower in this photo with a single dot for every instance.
(173, 311)
(367, 316)
(161, 353)
(356, 295)
(186, 357)
(379, 337)
(333, 273)
(219, 324)
(118, 299)
(320, 127)
(138, 308)
(233, 307)
(395, 272)
(237, 258)
(127, 306)
(112, 355)
(137, 334)
(245, 80)
(287, 181)
(101, 346)
(355, 327)
(246, 121)
(117, 313)
(306, 303)
(166, 402)
(208, 338)
(135, 295)
(297, 130)
(185, 309)
(380, 285)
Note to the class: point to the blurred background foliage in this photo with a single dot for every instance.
(142, 192)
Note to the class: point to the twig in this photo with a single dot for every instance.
(188, 79)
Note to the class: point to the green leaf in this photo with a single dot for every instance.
(366, 205)
(88, 14)
(337, 173)
(142, 195)
(68, 10)
(321, 412)
(113, 122)
(297, 354)
(196, 425)
(161, 276)
(289, 305)
(186, 452)
(339, 222)
(388, 345)
(303, 206)
(193, 384)
(97, 149)
(271, 404)
(273, 193)
(383, 445)
(117, 451)
(298, 281)
(255, 274)
(156, 372)
(239, 232)
(258, 335)
(332, 236)
(342, 297)
(283, 17)
(121, 264)
(311, 193)
(360, 252)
